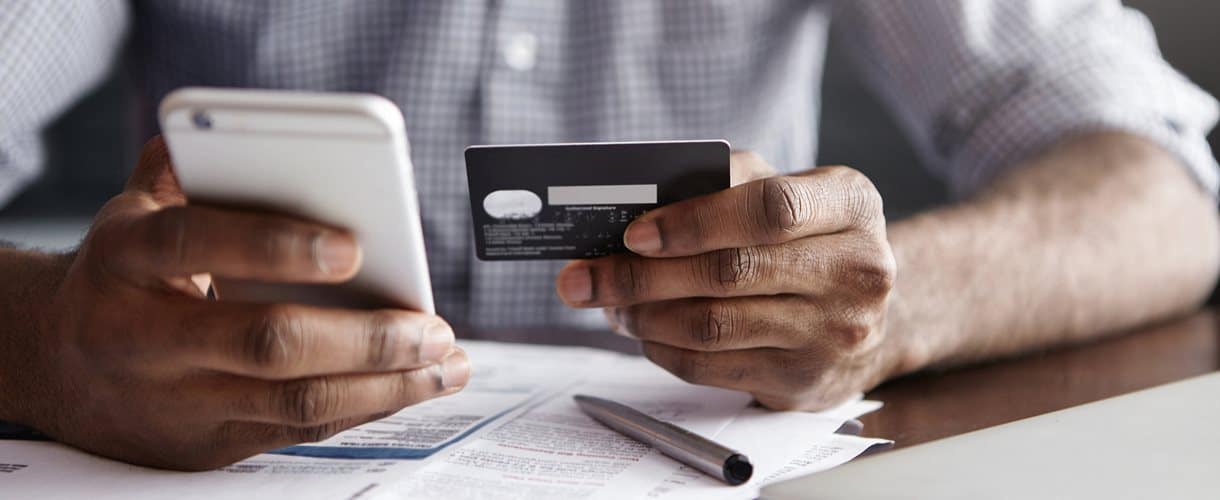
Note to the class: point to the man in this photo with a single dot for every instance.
(1077, 154)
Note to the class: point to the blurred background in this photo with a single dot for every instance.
(93, 146)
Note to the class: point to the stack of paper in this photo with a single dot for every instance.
(514, 432)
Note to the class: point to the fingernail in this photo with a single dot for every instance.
(335, 253)
(435, 342)
(455, 372)
(643, 237)
(576, 284)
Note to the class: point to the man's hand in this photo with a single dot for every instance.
(777, 286)
(132, 361)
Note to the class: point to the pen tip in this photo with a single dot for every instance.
(737, 469)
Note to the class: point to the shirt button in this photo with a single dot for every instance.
(520, 51)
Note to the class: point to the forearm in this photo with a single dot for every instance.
(1103, 233)
(29, 280)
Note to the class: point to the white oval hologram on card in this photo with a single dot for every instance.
(512, 204)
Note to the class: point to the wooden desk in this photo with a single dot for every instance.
(935, 405)
(931, 406)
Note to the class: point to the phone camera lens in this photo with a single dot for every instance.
(201, 120)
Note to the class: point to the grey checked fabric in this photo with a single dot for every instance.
(979, 85)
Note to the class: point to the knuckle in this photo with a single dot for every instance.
(381, 339)
(716, 326)
(630, 279)
(737, 374)
(864, 203)
(735, 268)
(875, 277)
(315, 433)
(274, 339)
(691, 367)
(805, 375)
(308, 402)
(787, 205)
(852, 334)
(699, 225)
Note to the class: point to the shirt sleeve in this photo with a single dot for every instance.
(982, 85)
(51, 52)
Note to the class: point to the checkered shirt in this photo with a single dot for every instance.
(978, 85)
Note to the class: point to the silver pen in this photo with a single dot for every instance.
(680, 444)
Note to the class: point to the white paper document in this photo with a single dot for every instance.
(514, 432)
(506, 377)
(781, 445)
(553, 450)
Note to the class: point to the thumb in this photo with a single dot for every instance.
(154, 174)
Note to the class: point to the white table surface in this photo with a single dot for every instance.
(51, 233)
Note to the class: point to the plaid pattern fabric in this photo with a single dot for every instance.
(50, 54)
(978, 85)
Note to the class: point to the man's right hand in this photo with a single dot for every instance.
(132, 361)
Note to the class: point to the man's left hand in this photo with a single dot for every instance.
(777, 286)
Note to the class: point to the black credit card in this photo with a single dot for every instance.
(574, 201)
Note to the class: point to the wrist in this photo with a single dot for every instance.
(31, 282)
(904, 351)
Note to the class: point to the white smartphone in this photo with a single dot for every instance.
(338, 159)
